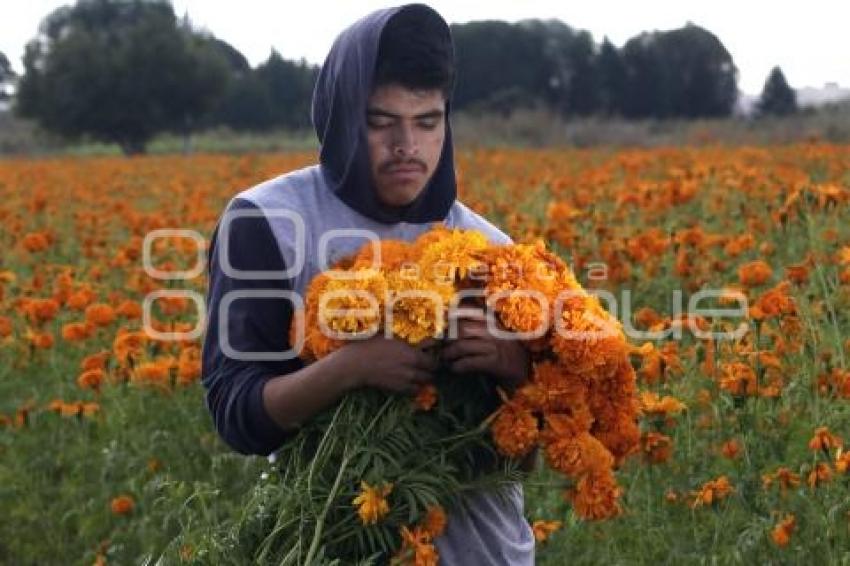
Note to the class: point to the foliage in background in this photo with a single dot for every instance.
(777, 98)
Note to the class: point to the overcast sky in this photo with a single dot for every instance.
(810, 40)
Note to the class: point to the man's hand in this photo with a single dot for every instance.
(389, 363)
(477, 350)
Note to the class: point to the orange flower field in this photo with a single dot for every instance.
(729, 269)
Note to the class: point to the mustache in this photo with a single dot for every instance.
(403, 162)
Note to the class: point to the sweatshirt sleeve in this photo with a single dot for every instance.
(234, 385)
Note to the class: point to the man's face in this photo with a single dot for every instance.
(405, 131)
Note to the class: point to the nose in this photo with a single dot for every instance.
(404, 142)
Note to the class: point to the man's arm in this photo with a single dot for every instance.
(255, 404)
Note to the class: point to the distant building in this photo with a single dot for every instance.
(830, 93)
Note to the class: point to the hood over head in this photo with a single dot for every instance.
(339, 118)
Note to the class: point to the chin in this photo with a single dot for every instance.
(399, 196)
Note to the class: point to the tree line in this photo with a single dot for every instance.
(123, 70)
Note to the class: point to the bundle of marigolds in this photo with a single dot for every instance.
(375, 477)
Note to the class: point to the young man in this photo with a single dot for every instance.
(380, 109)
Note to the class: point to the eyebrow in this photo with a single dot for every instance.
(381, 112)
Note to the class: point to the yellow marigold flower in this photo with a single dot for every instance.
(543, 529)
(418, 307)
(449, 255)
(353, 306)
(372, 502)
(781, 533)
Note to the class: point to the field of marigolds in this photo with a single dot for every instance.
(729, 269)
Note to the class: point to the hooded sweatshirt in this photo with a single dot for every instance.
(273, 238)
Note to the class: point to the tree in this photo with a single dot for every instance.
(290, 89)
(703, 77)
(120, 71)
(7, 76)
(648, 81)
(611, 73)
(682, 73)
(777, 97)
(499, 62)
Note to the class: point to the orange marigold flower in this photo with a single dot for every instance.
(712, 491)
(41, 340)
(657, 447)
(739, 379)
(129, 309)
(426, 397)
(80, 299)
(41, 310)
(372, 502)
(821, 474)
(128, 345)
(754, 273)
(544, 529)
(416, 549)
(781, 533)
(652, 404)
(5, 326)
(824, 440)
(122, 505)
(774, 302)
(435, 521)
(76, 331)
(189, 365)
(578, 454)
(595, 496)
(156, 373)
(95, 361)
(36, 242)
(647, 318)
(731, 449)
(783, 477)
(91, 379)
(100, 314)
(515, 430)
